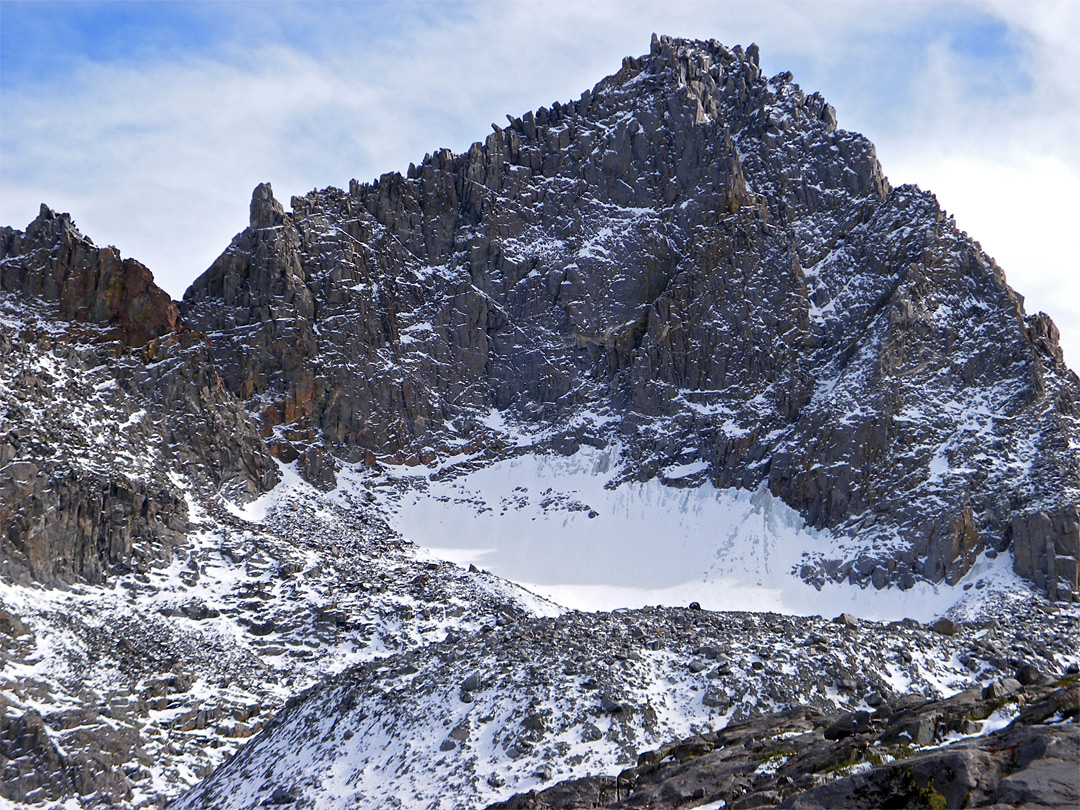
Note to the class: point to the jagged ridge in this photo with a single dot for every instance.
(699, 250)
(52, 261)
(690, 248)
(124, 366)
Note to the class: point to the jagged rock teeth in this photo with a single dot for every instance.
(698, 250)
(52, 261)
(266, 211)
(690, 261)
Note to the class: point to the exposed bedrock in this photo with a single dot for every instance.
(699, 251)
(52, 261)
(103, 392)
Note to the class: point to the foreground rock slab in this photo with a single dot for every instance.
(964, 751)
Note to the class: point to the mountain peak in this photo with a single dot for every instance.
(50, 224)
(677, 341)
(700, 252)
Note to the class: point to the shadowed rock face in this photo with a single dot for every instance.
(698, 250)
(36, 771)
(86, 444)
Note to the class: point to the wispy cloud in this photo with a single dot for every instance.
(153, 135)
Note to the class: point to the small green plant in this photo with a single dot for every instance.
(778, 755)
(844, 765)
(926, 796)
(933, 799)
(902, 751)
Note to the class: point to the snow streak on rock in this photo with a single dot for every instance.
(676, 340)
(696, 255)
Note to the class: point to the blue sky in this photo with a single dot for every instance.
(152, 121)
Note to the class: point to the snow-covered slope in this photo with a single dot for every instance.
(475, 717)
(561, 527)
(676, 341)
(480, 716)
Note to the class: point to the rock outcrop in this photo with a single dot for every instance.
(102, 392)
(35, 770)
(911, 752)
(52, 261)
(1045, 547)
(698, 250)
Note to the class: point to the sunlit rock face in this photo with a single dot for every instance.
(696, 250)
(52, 261)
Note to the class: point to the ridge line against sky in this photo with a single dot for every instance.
(151, 122)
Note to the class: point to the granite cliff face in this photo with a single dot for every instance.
(690, 266)
(103, 393)
(697, 249)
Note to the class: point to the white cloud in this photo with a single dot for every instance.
(160, 157)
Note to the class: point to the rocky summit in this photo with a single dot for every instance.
(698, 251)
(686, 300)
